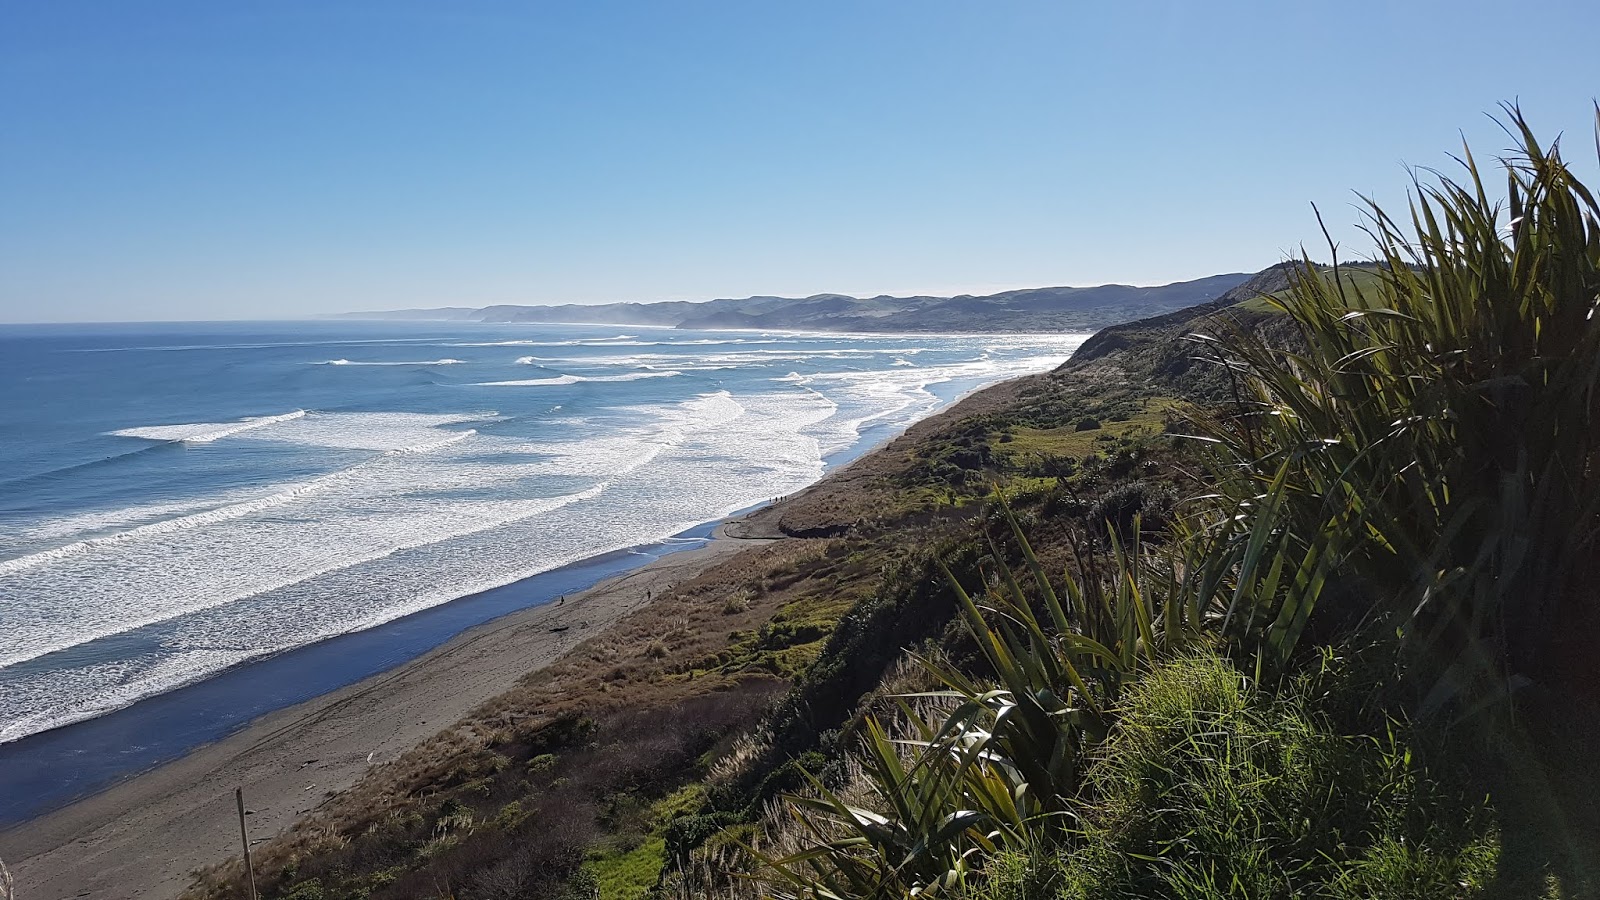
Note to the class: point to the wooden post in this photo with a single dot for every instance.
(244, 838)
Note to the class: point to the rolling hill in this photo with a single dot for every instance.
(1031, 309)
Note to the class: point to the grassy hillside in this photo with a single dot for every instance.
(1357, 663)
(1288, 594)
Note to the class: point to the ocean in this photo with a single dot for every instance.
(180, 500)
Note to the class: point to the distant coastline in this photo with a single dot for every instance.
(1026, 310)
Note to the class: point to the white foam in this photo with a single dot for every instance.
(282, 553)
(576, 379)
(619, 340)
(522, 343)
(279, 553)
(206, 432)
(173, 672)
(532, 382)
(286, 495)
(106, 520)
(424, 362)
(371, 431)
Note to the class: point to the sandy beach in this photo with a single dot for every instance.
(143, 836)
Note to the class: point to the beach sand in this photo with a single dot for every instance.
(142, 837)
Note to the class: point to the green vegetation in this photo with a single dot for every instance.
(1290, 594)
(630, 874)
(1406, 469)
(1211, 787)
(1355, 277)
(1444, 411)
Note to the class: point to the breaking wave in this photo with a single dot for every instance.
(206, 432)
(424, 362)
(211, 516)
(578, 379)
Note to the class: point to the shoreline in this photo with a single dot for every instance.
(144, 834)
(155, 730)
(161, 729)
(164, 728)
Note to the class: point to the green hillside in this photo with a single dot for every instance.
(1287, 594)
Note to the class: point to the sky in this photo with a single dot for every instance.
(204, 160)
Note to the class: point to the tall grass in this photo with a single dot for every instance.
(1212, 787)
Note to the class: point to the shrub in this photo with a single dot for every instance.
(1209, 787)
(1120, 507)
(310, 889)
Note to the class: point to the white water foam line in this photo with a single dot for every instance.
(513, 512)
(575, 342)
(370, 431)
(106, 520)
(628, 341)
(577, 379)
(471, 518)
(424, 362)
(209, 517)
(6, 731)
(206, 432)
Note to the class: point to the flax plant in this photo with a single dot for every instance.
(1003, 767)
(1441, 419)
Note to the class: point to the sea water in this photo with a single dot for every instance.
(178, 499)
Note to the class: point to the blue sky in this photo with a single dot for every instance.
(201, 160)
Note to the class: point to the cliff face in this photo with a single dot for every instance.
(1033, 309)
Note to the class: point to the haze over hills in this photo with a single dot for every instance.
(1030, 309)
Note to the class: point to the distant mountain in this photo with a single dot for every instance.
(1032, 309)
